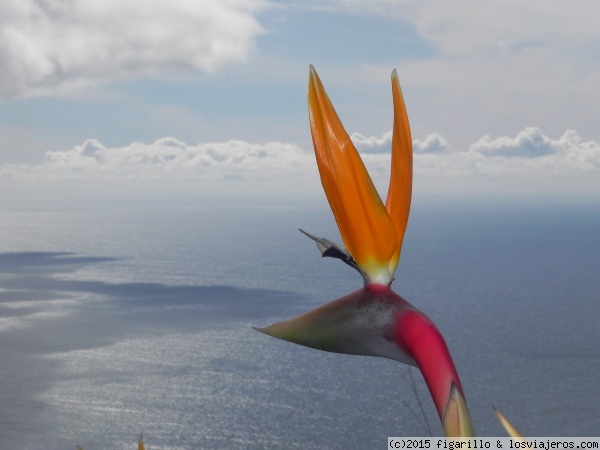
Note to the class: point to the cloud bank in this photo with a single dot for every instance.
(48, 46)
(528, 155)
(166, 158)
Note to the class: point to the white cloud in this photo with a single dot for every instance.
(530, 142)
(531, 153)
(372, 144)
(53, 45)
(498, 25)
(530, 158)
(506, 26)
(528, 155)
(433, 143)
(169, 158)
(495, 66)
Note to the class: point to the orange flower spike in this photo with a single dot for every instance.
(364, 223)
(400, 188)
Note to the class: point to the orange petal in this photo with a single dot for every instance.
(400, 189)
(364, 223)
(512, 431)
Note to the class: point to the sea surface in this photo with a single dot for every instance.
(126, 316)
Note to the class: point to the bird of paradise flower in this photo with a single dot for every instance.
(373, 320)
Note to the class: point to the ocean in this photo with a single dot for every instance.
(125, 316)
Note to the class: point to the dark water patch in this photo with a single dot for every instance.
(54, 262)
(34, 276)
(64, 315)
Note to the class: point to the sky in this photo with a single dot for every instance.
(209, 96)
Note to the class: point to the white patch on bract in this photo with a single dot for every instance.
(371, 327)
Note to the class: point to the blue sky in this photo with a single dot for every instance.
(502, 96)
